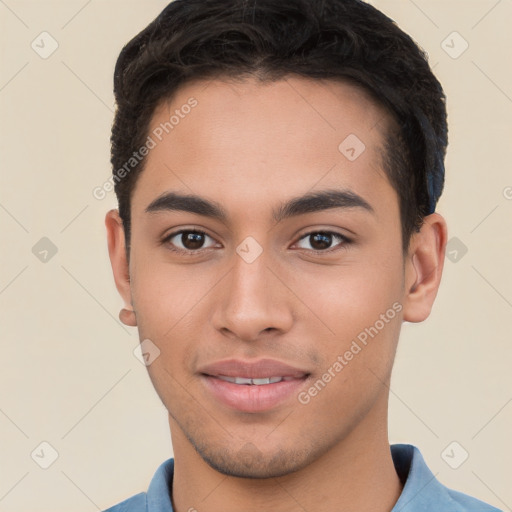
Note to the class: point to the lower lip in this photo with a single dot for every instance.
(252, 398)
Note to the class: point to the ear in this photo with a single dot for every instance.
(424, 267)
(117, 252)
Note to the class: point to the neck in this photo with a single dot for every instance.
(356, 474)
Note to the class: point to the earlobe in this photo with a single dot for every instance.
(120, 267)
(127, 317)
(424, 268)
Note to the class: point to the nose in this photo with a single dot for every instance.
(252, 301)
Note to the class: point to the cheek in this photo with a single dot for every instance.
(350, 297)
(359, 305)
(173, 307)
(164, 295)
(363, 311)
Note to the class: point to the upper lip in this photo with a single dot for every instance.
(260, 369)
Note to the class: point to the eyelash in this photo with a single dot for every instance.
(344, 242)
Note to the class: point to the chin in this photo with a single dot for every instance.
(249, 462)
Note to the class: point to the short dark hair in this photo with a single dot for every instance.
(271, 39)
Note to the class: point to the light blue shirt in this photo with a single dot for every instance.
(422, 492)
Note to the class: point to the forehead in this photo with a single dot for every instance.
(264, 139)
(292, 106)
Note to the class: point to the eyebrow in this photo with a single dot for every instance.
(309, 203)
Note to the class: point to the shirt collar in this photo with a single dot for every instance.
(158, 498)
(422, 491)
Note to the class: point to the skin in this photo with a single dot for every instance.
(250, 147)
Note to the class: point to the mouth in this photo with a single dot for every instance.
(252, 387)
(254, 382)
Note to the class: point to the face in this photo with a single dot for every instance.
(266, 265)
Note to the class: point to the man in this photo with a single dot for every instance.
(277, 165)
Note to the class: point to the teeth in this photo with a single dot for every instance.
(242, 380)
(260, 382)
(227, 379)
(253, 382)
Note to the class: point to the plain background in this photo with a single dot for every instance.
(68, 374)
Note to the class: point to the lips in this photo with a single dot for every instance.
(252, 386)
(261, 369)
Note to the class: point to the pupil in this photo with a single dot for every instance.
(321, 240)
(192, 240)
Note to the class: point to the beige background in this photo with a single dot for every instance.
(68, 375)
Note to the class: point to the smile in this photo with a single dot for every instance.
(253, 382)
(252, 386)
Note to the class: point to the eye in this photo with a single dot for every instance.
(321, 241)
(189, 241)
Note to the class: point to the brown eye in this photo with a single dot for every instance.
(322, 241)
(192, 240)
(189, 240)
